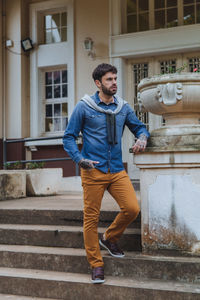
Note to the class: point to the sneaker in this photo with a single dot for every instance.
(112, 248)
(98, 275)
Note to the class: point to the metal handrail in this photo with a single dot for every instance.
(5, 142)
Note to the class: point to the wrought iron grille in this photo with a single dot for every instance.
(140, 71)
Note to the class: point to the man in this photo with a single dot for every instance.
(101, 119)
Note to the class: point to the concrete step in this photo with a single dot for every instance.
(56, 217)
(59, 285)
(17, 297)
(59, 236)
(134, 265)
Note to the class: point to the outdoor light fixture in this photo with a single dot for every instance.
(88, 46)
(27, 44)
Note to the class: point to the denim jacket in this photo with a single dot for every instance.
(92, 124)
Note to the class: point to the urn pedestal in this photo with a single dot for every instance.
(170, 167)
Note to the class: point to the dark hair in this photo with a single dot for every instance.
(102, 69)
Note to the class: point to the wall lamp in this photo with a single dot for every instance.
(27, 44)
(88, 46)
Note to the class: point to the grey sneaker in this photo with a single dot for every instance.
(112, 248)
(98, 275)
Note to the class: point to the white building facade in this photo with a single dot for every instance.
(41, 87)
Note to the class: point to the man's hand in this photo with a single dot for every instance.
(140, 144)
(87, 164)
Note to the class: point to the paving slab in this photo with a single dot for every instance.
(67, 201)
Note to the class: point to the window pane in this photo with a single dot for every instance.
(48, 110)
(64, 123)
(143, 22)
(64, 109)
(159, 3)
(48, 78)
(159, 19)
(56, 21)
(64, 76)
(56, 77)
(143, 5)
(198, 13)
(189, 15)
(49, 92)
(57, 110)
(172, 19)
(168, 66)
(47, 22)
(132, 23)
(131, 6)
(64, 90)
(64, 19)
(57, 91)
(57, 124)
(171, 3)
(188, 1)
(63, 34)
(48, 37)
(49, 124)
(56, 38)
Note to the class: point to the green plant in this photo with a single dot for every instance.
(35, 165)
(171, 70)
(17, 165)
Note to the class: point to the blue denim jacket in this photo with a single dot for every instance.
(92, 124)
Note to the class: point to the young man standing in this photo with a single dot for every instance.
(101, 119)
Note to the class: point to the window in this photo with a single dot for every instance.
(56, 95)
(166, 13)
(194, 64)
(167, 66)
(144, 15)
(55, 27)
(191, 12)
(140, 71)
(137, 15)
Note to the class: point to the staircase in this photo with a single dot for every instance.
(42, 257)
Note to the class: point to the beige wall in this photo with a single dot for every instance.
(91, 20)
(17, 73)
(25, 69)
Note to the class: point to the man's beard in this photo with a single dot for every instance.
(107, 91)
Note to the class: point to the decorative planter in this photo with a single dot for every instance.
(41, 182)
(170, 168)
(177, 98)
(12, 184)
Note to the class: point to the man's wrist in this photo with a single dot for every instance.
(142, 137)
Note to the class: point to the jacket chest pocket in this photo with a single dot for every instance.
(95, 120)
(120, 119)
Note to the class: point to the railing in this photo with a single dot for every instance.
(5, 162)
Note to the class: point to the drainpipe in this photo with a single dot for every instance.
(4, 80)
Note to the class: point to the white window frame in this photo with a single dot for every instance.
(40, 62)
(53, 100)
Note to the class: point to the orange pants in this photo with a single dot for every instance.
(94, 184)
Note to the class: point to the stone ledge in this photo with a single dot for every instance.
(12, 184)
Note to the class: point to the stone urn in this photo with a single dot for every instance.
(170, 166)
(177, 98)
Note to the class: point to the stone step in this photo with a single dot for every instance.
(17, 297)
(59, 236)
(56, 217)
(134, 265)
(60, 285)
